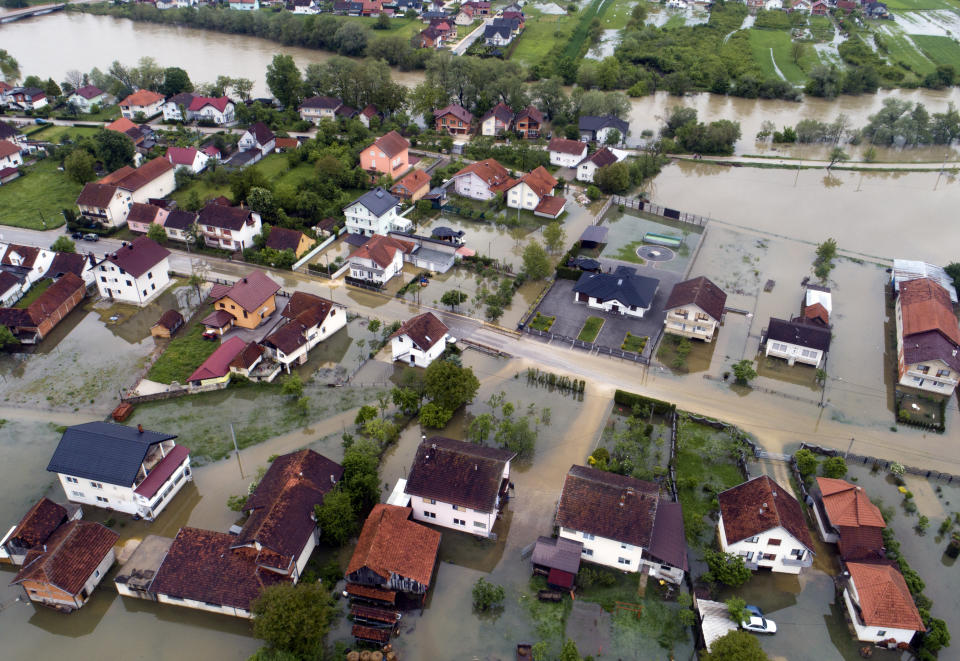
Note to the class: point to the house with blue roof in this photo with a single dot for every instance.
(621, 292)
(124, 469)
(375, 212)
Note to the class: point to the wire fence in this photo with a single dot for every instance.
(589, 346)
(665, 212)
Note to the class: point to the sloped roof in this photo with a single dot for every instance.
(142, 213)
(564, 146)
(595, 234)
(911, 269)
(390, 543)
(39, 522)
(181, 155)
(218, 363)
(701, 292)
(799, 332)
(170, 320)
(142, 98)
(178, 219)
(96, 195)
(925, 306)
(120, 125)
(594, 123)
(104, 451)
(69, 556)
(623, 285)
(414, 181)
(224, 217)
(198, 102)
(530, 112)
(381, 249)
(67, 262)
(88, 91)
(218, 319)
(457, 111)
(759, 505)
(281, 507)
(392, 144)
(28, 255)
(848, 505)
(252, 291)
(458, 473)
(138, 256)
(817, 313)
(540, 180)
(931, 345)
(133, 179)
(305, 311)
(322, 103)
(378, 201)
(602, 157)
(7, 130)
(557, 553)
(7, 148)
(501, 112)
(8, 281)
(160, 473)
(613, 506)
(668, 541)
(885, 600)
(261, 133)
(201, 565)
(551, 205)
(45, 305)
(282, 238)
(246, 358)
(424, 330)
(491, 172)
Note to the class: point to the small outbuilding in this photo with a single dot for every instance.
(169, 323)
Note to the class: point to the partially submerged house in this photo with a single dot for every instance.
(846, 517)
(388, 155)
(136, 273)
(928, 338)
(623, 523)
(459, 485)
(420, 340)
(122, 469)
(534, 192)
(379, 259)
(309, 320)
(622, 292)
(557, 558)
(879, 604)
(695, 309)
(375, 212)
(566, 153)
(34, 529)
(394, 559)
(764, 524)
(482, 180)
(214, 372)
(34, 322)
(282, 239)
(795, 341)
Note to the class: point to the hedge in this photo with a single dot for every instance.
(629, 399)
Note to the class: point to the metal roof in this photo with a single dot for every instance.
(910, 269)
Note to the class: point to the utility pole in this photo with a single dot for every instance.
(849, 447)
(237, 449)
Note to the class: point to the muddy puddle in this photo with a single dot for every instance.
(132, 324)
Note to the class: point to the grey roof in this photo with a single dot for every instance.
(180, 220)
(584, 263)
(592, 123)
(799, 333)
(557, 553)
(595, 234)
(378, 201)
(623, 285)
(104, 452)
(444, 231)
(492, 30)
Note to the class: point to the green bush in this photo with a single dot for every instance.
(629, 400)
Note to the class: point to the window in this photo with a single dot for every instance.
(924, 369)
(587, 551)
(797, 553)
(102, 279)
(96, 573)
(431, 501)
(881, 632)
(459, 508)
(768, 556)
(746, 555)
(587, 535)
(943, 372)
(773, 542)
(76, 494)
(626, 547)
(459, 522)
(150, 275)
(430, 515)
(72, 480)
(623, 561)
(102, 499)
(96, 485)
(153, 286)
(129, 284)
(479, 524)
(752, 540)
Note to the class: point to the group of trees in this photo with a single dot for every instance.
(900, 123)
(112, 149)
(446, 386)
(506, 427)
(682, 132)
(345, 507)
(633, 448)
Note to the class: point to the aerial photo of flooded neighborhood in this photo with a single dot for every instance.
(388, 330)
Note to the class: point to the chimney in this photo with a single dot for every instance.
(140, 428)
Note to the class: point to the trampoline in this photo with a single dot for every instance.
(655, 253)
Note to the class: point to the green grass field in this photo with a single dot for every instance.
(821, 28)
(591, 328)
(56, 134)
(761, 43)
(900, 49)
(182, 356)
(34, 293)
(920, 4)
(42, 189)
(399, 26)
(616, 17)
(675, 21)
(942, 50)
(538, 35)
(274, 167)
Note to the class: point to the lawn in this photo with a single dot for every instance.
(761, 43)
(617, 16)
(591, 328)
(942, 50)
(628, 253)
(39, 194)
(538, 35)
(56, 134)
(595, 10)
(675, 21)
(901, 49)
(183, 355)
(706, 465)
(634, 343)
(821, 28)
(34, 293)
(404, 27)
(920, 4)
(542, 323)
(274, 167)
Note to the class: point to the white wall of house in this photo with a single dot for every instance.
(160, 187)
(210, 113)
(492, 126)
(604, 133)
(605, 551)
(218, 237)
(316, 115)
(171, 112)
(451, 516)
(12, 161)
(522, 196)
(40, 265)
(870, 634)
(472, 186)
(248, 141)
(366, 269)
(199, 163)
(84, 104)
(612, 305)
(245, 6)
(115, 213)
(124, 499)
(565, 160)
(586, 170)
(360, 220)
(794, 353)
(691, 321)
(121, 286)
(775, 549)
(335, 320)
(203, 606)
(154, 108)
(932, 375)
(403, 349)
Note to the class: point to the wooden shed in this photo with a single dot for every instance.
(169, 323)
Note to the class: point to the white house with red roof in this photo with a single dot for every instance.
(879, 603)
(142, 101)
(566, 153)
(10, 155)
(188, 158)
(420, 340)
(136, 273)
(379, 259)
(219, 110)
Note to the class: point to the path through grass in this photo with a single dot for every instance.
(773, 49)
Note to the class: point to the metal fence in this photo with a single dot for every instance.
(589, 346)
(665, 212)
(885, 464)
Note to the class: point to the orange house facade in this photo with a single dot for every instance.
(250, 301)
(387, 155)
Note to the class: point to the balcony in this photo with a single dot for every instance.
(805, 561)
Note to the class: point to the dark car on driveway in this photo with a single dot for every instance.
(76, 236)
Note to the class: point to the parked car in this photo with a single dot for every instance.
(757, 622)
(76, 236)
(91, 237)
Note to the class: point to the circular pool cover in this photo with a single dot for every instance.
(655, 253)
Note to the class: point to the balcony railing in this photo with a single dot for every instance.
(805, 561)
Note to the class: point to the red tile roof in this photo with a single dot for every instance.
(246, 358)
(133, 179)
(224, 216)
(367, 592)
(282, 238)
(885, 600)
(848, 505)
(250, 292)
(602, 157)
(203, 565)
(142, 213)
(162, 471)
(612, 506)
(491, 172)
(551, 205)
(531, 113)
(218, 364)
(540, 180)
(413, 182)
(925, 306)
(759, 505)
(138, 256)
(96, 195)
(424, 330)
(392, 544)
(142, 98)
(27, 254)
(69, 556)
(171, 320)
(46, 305)
(38, 524)
(281, 507)
(458, 473)
(121, 125)
(701, 292)
(7, 148)
(564, 146)
(392, 144)
(220, 103)
(817, 313)
(181, 155)
(304, 312)
(381, 249)
(457, 111)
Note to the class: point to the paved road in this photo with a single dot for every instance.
(467, 41)
(779, 424)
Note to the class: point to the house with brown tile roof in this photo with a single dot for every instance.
(618, 520)
(34, 529)
(250, 300)
(566, 153)
(846, 517)
(282, 239)
(142, 101)
(169, 323)
(528, 123)
(152, 180)
(879, 604)
(459, 485)
(763, 523)
(413, 186)
(215, 370)
(387, 155)
(453, 119)
(928, 338)
(482, 180)
(81, 266)
(497, 120)
(695, 309)
(63, 571)
(420, 340)
(587, 168)
(141, 216)
(309, 320)
(379, 259)
(136, 273)
(33, 323)
(534, 193)
(394, 555)
(228, 228)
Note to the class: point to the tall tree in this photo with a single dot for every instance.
(449, 385)
(554, 236)
(9, 67)
(536, 264)
(736, 646)
(284, 81)
(241, 87)
(175, 81)
(294, 618)
(114, 149)
(79, 166)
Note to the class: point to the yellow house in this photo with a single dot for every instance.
(283, 239)
(250, 300)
